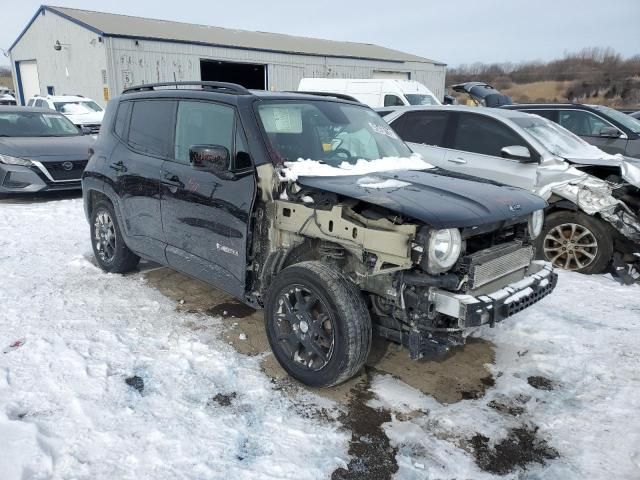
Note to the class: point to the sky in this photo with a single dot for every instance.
(464, 31)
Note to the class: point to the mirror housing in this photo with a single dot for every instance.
(210, 158)
(610, 132)
(516, 152)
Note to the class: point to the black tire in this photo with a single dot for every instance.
(116, 258)
(340, 301)
(566, 229)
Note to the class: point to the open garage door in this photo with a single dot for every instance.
(249, 75)
(28, 80)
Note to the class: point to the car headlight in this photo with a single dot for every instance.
(444, 249)
(536, 220)
(9, 160)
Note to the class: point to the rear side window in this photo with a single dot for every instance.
(484, 135)
(151, 127)
(122, 119)
(31, 102)
(423, 127)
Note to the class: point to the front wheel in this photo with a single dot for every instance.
(575, 241)
(317, 324)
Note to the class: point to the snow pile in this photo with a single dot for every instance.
(315, 168)
(66, 410)
(584, 338)
(378, 183)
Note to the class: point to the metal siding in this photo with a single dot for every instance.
(76, 69)
(152, 61)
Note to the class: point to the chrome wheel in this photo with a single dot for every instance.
(104, 236)
(304, 327)
(570, 246)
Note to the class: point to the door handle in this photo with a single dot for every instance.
(118, 166)
(172, 180)
(458, 160)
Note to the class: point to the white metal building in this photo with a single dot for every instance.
(70, 51)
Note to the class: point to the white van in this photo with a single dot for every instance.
(373, 92)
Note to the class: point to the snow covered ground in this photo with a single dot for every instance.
(567, 383)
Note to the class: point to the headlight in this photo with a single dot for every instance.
(444, 249)
(8, 160)
(536, 220)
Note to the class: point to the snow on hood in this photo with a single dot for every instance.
(82, 118)
(315, 168)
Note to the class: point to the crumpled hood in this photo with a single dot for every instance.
(629, 167)
(86, 118)
(439, 198)
(47, 148)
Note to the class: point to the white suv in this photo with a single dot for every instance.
(82, 111)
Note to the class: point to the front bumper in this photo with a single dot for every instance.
(21, 179)
(494, 307)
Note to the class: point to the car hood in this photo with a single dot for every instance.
(86, 118)
(47, 148)
(439, 198)
(629, 167)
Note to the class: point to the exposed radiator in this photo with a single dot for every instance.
(496, 262)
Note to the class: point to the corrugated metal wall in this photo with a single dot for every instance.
(153, 61)
(76, 69)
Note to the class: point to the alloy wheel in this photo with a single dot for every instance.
(570, 246)
(304, 327)
(105, 236)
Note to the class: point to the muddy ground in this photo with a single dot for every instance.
(463, 374)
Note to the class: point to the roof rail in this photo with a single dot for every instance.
(341, 96)
(222, 87)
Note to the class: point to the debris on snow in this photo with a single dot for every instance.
(135, 382)
(14, 345)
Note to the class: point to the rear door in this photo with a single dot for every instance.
(137, 163)
(206, 216)
(425, 132)
(476, 144)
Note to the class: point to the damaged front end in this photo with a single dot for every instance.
(427, 283)
(615, 199)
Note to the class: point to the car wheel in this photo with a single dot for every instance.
(317, 324)
(575, 241)
(109, 249)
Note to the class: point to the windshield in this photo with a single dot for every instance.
(328, 131)
(80, 107)
(626, 120)
(35, 124)
(557, 139)
(421, 99)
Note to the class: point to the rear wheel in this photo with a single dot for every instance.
(109, 249)
(317, 324)
(576, 241)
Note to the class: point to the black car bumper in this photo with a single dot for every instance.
(494, 307)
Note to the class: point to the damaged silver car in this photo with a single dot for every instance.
(593, 218)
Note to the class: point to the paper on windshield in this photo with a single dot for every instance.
(281, 119)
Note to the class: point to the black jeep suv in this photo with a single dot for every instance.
(209, 178)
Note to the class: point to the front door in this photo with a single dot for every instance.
(205, 216)
(589, 126)
(137, 163)
(476, 150)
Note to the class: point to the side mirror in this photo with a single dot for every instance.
(516, 152)
(610, 132)
(85, 130)
(210, 158)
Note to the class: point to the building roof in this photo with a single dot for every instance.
(113, 25)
